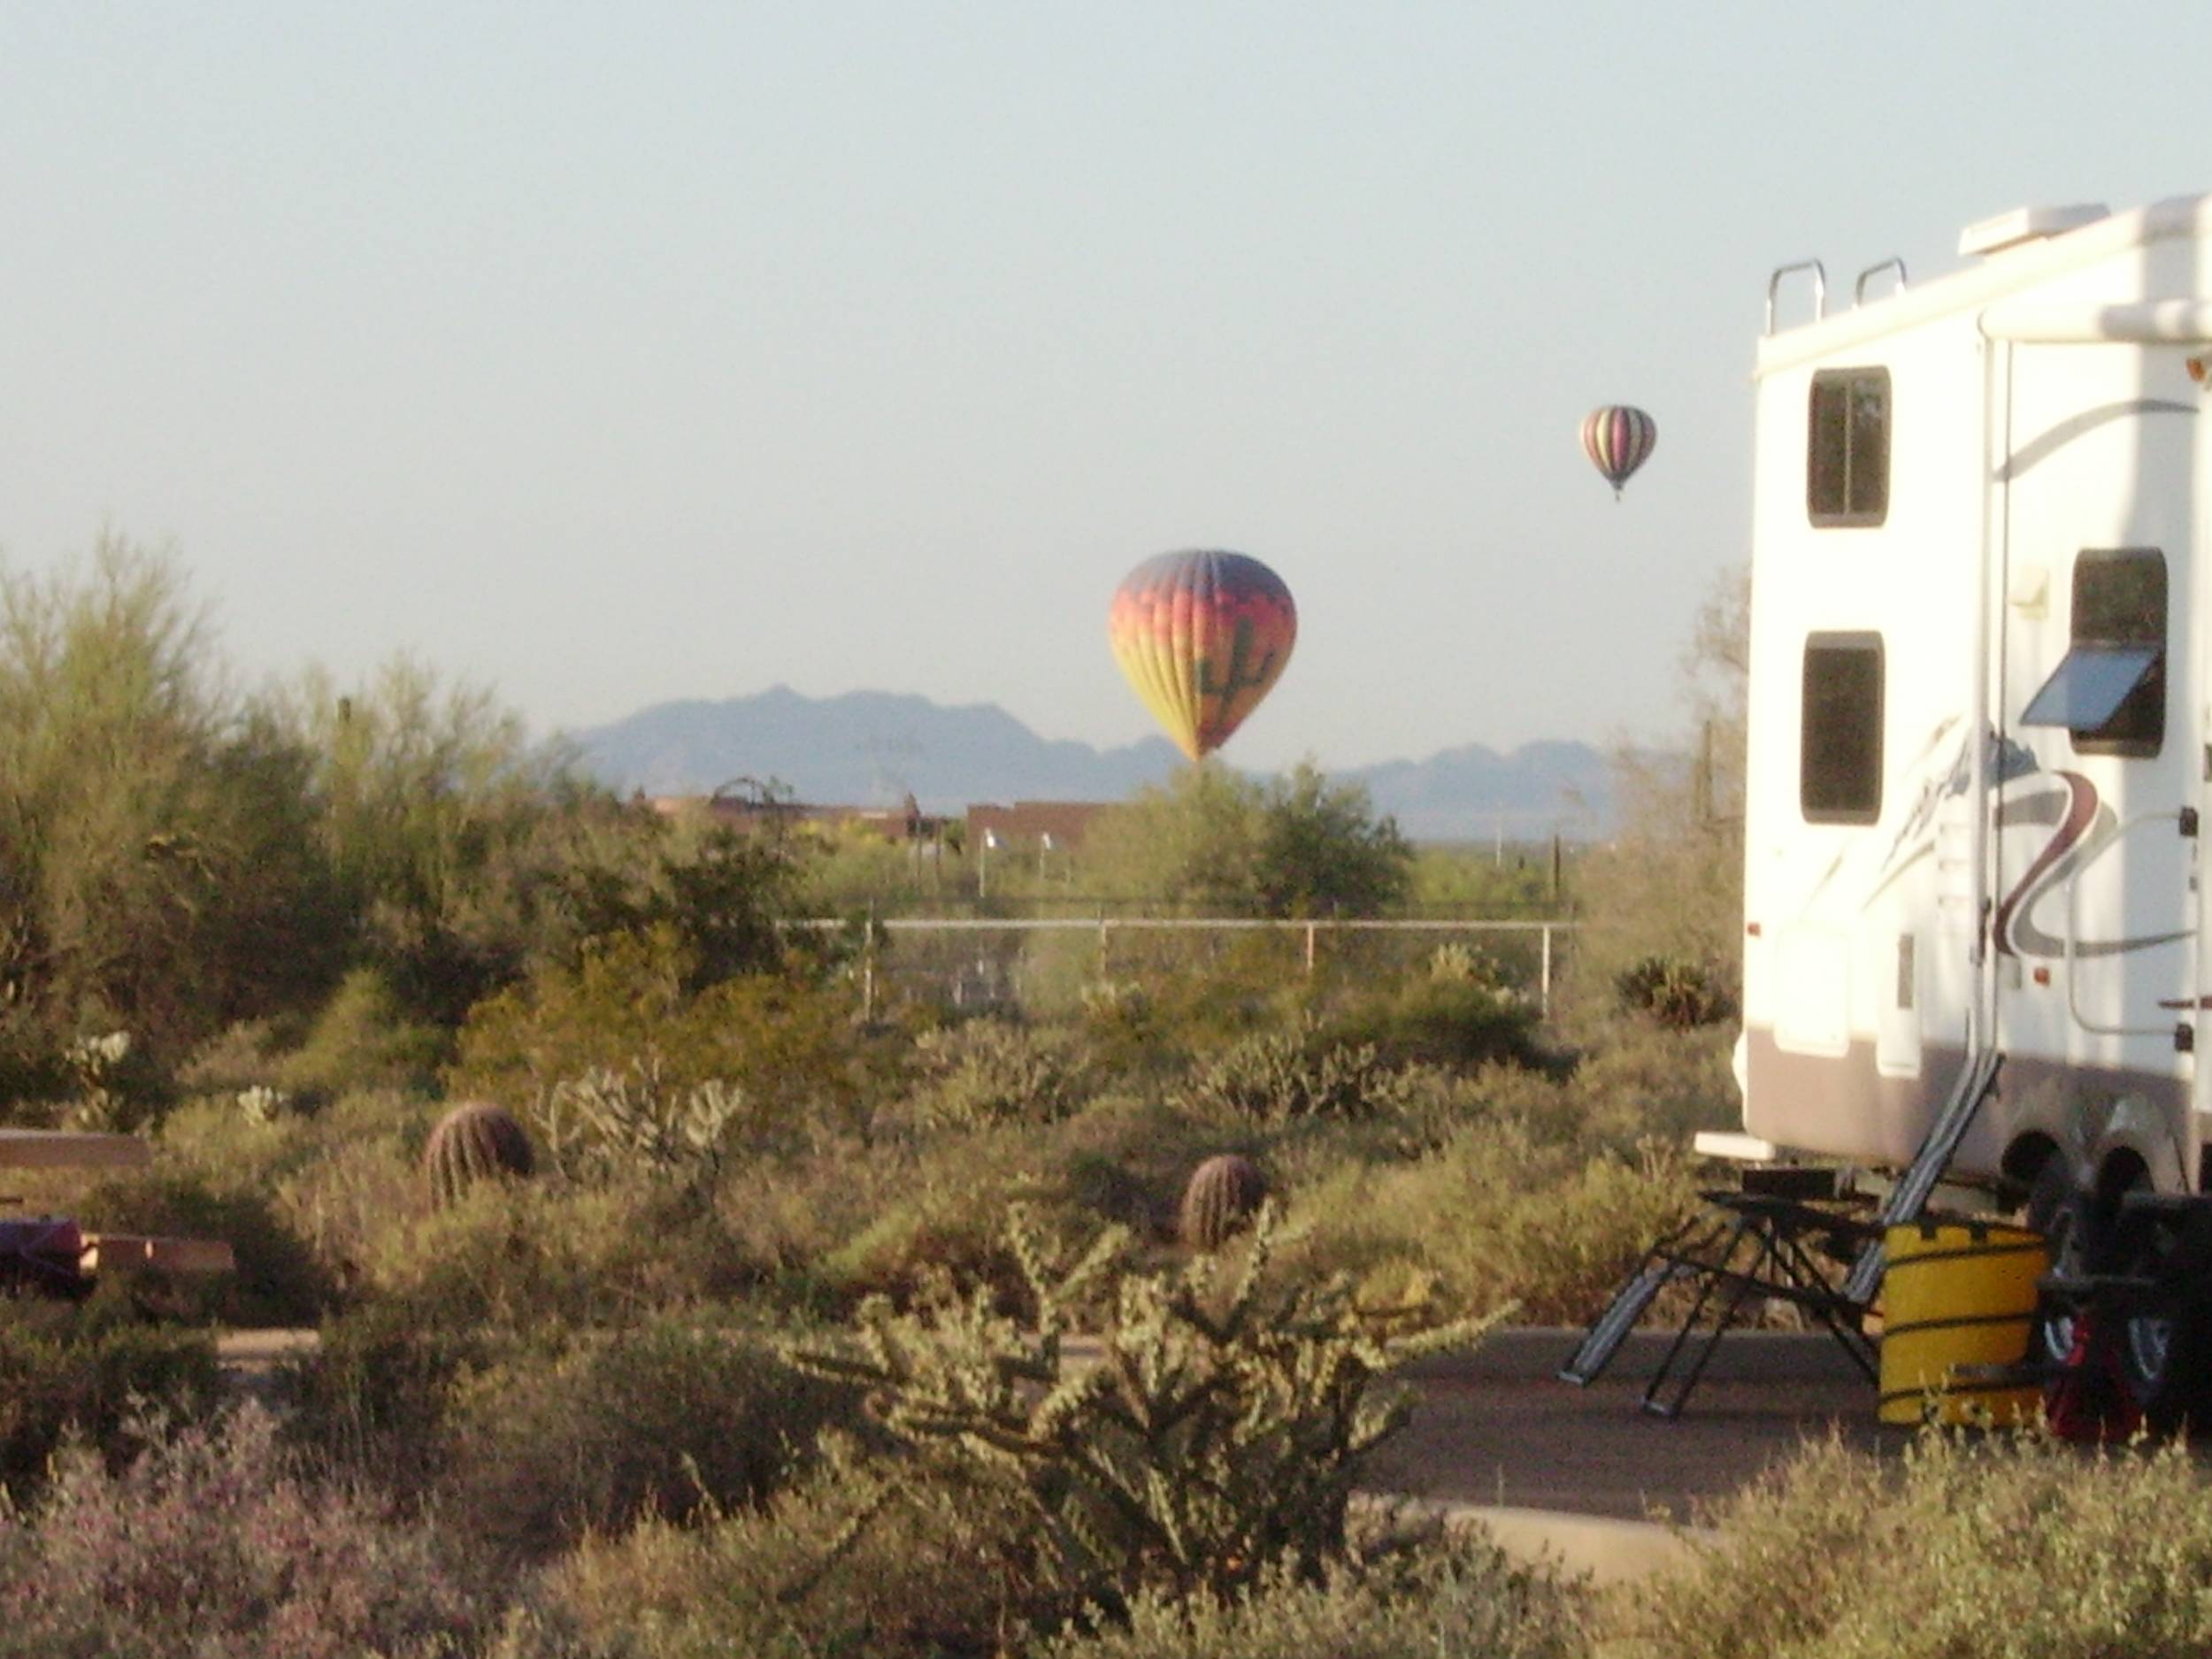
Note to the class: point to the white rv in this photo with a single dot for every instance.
(1981, 707)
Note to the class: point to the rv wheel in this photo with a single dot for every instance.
(2166, 1341)
(2059, 1211)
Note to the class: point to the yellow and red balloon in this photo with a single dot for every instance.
(1202, 636)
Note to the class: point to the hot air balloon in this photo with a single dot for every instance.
(1618, 440)
(1201, 636)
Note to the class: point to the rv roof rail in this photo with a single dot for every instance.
(1820, 287)
(1895, 262)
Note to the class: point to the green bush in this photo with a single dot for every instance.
(520, 1257)
(362, 1038)
(1495, 1216)
(677, 1420)
(370, 1401)
(857, 1559)
(1457, 1595)
(208, 1544)
(787, 1044)
(90, 1373)
(1972, 1549)
(1450, 1019)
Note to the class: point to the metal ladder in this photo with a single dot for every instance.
(1908, 1200)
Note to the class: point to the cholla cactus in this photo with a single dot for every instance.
(1456, 961)
(262, 1104)
(990, 1071)
(1295, 1073)
(606, 1121)
(475, 1141)
(1214, 1438)
(1225, 1193)
(110, 1099)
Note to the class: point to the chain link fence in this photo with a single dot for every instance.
(1038, 962)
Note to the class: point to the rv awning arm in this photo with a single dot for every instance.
(2157, 322)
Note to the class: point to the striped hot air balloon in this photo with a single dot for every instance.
(1201, 636)
(1618, 440)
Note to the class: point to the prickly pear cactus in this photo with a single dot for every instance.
(1223, 1196)
(475, 1141)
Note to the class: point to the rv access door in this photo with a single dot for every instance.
(2096, 780)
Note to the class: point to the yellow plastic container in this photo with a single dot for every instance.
(1958, 1294)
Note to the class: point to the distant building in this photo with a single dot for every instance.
(902, 823)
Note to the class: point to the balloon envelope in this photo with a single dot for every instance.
(1201, 636)
(1618, 440)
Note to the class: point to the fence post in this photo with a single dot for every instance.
(1543, 978)
(868, 969)
(1102, 925)
(1310, 927)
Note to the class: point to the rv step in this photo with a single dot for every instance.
(1908, 1200)
(1603, 1339)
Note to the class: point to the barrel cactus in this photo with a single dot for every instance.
(1224, 1194)
(475, 1141)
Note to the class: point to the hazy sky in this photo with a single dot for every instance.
(611, 354)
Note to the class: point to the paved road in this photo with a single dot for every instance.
(1496, 1427)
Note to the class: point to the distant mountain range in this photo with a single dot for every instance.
(873, 748)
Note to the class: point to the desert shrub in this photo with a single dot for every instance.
(242, 1056)
(1970, 1548)
(1215, 1438)
(208, 1544)
(985, 1072)
(1458, 1594)
(857, 1559)
(1676, 993)
(677, 1420)
(787, 1043)
(369, 1401)
(1157, 998)
(1297, 1072)
(518, 1258)
(1494, 1217)
(1647, 1082)
(1432, 1019)
(86, 1374)
(362, 1038)
(359, 1182)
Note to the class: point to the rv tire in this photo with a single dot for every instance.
(2059, 1209)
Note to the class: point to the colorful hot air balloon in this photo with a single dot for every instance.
(1201, 636)
(1618, 440)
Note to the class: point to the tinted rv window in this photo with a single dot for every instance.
(1839, 750)
(1846, 451)
(2120, 612)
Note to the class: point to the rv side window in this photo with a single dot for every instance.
(1839, 750)
(2110, 692)
(1847, 448)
